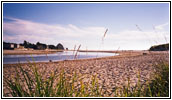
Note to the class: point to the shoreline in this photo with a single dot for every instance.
(28, 52)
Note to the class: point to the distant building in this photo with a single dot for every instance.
(16, 45)
(9, 46)
(12, 46)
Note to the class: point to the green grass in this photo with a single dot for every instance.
(26, 84)
(36, 86)
(159, 87)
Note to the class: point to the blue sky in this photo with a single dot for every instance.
(85, 23)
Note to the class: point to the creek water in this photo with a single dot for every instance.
(59, 56)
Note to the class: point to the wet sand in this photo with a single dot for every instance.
(111, 72)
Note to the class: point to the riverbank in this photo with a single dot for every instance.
(27, 52)
(111, 72)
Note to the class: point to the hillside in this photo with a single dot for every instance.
(161, 47)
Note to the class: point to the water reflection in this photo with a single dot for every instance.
(66, 55)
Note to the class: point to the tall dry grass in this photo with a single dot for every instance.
(76, 54)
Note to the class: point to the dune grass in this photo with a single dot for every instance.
(158, 87)
(26, 84)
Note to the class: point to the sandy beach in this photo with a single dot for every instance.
(49, 51)
(111, 72)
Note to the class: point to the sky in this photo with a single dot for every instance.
(131, 26)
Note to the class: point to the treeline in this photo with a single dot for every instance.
(37, 46)
(41, 46)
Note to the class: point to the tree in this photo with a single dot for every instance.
(41, 46)
(25, 44)
(60, 46)
(51, 47)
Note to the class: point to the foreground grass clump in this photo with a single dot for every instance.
(26, 84)
(56, 85)
(158, 87)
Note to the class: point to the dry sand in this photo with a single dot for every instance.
(111, 72)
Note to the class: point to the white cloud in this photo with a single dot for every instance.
(20, 30)
(134, 39)
(69, 35)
